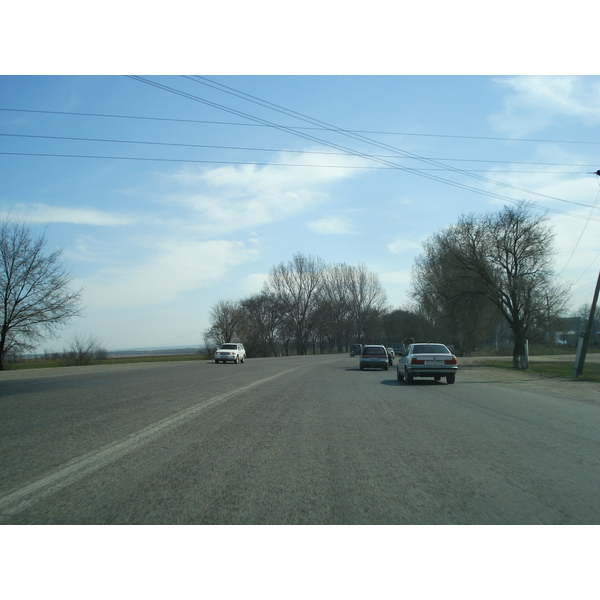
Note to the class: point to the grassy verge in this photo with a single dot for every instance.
(49, 364)
(151, 359)
(591, 371)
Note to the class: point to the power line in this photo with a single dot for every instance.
(283, 150)
(269, 164)
(187, 160)
(295, 114)
(582, 232)
(356, 137)
(333, 128)
(345, 150)
(238, 124)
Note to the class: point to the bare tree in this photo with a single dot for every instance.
(226, 318)
(36, 297)
(366, 302)
(456, 305)
(262, 317)
(308, 302)
(296, 287)
(506, 257)
(335, 305)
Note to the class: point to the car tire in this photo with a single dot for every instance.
(399, 376)
(237, 360)
(450, 378)
(216, 362)
(362, 368)
(386, 368)
(409, 378)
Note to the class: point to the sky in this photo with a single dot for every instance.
(167, 194)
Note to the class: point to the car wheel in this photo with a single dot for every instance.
(362, 368)
(409, 378)
(399, 376)
(386, 367)
(216, 362)
(450, 378)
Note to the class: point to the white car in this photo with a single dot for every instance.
(230, 352)
(427, 360)
(391, 355)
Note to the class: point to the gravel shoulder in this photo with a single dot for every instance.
(568, 389)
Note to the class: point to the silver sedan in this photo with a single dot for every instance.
(427, 360)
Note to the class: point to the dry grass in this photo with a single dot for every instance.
(591, 371)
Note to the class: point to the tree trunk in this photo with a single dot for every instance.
(2, 351)
(520, 358)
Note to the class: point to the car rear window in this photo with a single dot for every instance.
(430, 349)
(375, 351)
(229, 347)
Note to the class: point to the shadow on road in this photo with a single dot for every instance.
(365, 370)
(416, 383)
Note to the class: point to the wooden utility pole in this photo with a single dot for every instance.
(584, 340)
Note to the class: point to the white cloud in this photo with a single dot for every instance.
(253, 283)
(332, 225)
(90, 249)
(533, 103)
(231, 198)
(403, 246)
(42, 213)
(176, 267)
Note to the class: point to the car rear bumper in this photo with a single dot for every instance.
(374, 364)
(431, 372)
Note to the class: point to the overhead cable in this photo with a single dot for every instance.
(356, 152)
(238, 124)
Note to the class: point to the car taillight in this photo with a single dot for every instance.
(416, 361)
(452, 361)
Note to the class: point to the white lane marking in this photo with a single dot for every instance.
(20, 499)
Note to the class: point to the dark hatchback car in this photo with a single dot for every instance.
(355, 349)
(374, 357)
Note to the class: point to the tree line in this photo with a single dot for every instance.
(485, 278)
(307, 305)
(488, 276)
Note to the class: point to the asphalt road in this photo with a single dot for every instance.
(299, 440)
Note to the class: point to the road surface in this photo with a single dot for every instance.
(298, 440)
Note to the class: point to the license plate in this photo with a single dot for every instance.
(434, 362)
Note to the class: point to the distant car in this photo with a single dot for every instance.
(398, 348)
(230, 352)
(355, 349)
(427, 360)
(374, 357)
(391, 356)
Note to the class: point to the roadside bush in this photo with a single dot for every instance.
(84, 351)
